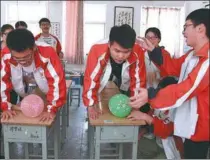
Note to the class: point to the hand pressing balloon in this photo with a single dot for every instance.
(139, 100)
(138, 115)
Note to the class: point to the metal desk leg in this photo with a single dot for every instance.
(26, 150)
(6, 147)
(120, 150)
(64, 123)
(68, 94)
(97, 144)
(44, 143)
(57, 138)
(135, 143)
(91, 141)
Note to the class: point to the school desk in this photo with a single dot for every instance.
(30, 130)
(110, 129)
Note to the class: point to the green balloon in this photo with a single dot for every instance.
(118, 105)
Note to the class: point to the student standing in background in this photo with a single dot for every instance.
(21, 25)
(48, 38)
(5, 29)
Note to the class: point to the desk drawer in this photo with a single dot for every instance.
(23, 132)
(117, 132)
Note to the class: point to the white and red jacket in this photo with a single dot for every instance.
(189, 99)
(49, 76)
(98, 71)
(51, 40)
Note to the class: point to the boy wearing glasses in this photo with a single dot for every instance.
(187, 101)
(26, 65)
(119, 60)
(48, 38)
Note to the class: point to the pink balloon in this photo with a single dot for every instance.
(32, 105)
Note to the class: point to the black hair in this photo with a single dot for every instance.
(154, 30)
(20, 39)
(167, 81)
(43, 20)
(5, 27)
(20, 23)
(200, 16)
(124, 35)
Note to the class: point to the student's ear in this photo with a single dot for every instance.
(201, 28)
(109, 44)
(34, 48)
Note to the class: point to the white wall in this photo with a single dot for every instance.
(3, 12)
(193, 5)
(137, 10)
(188, 7)
(54, 12)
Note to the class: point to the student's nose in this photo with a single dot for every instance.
(120, 55)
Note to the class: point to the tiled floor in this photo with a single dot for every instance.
(76, 145)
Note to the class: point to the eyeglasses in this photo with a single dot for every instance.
(45, 24)
(151, 38)
(187, 25)
(6, 33)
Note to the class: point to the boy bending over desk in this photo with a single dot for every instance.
(118, 59)
(25, 66)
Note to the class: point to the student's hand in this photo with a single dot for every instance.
(139, 100)
(61, 55)
(46, 116)
(137, 115)
(94, 112)
(145, 43)
(6, 115)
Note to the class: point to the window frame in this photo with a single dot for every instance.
(14, 3)
(181, 21)
(86, 22)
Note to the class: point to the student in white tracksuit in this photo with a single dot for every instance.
(154, 76)
(188, 100)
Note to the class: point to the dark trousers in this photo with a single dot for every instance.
(195, 150)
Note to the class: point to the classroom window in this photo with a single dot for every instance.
(94, 24)
(170, 22)
(30, 12)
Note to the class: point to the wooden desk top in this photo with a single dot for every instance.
(107, 119)
(21, 119)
